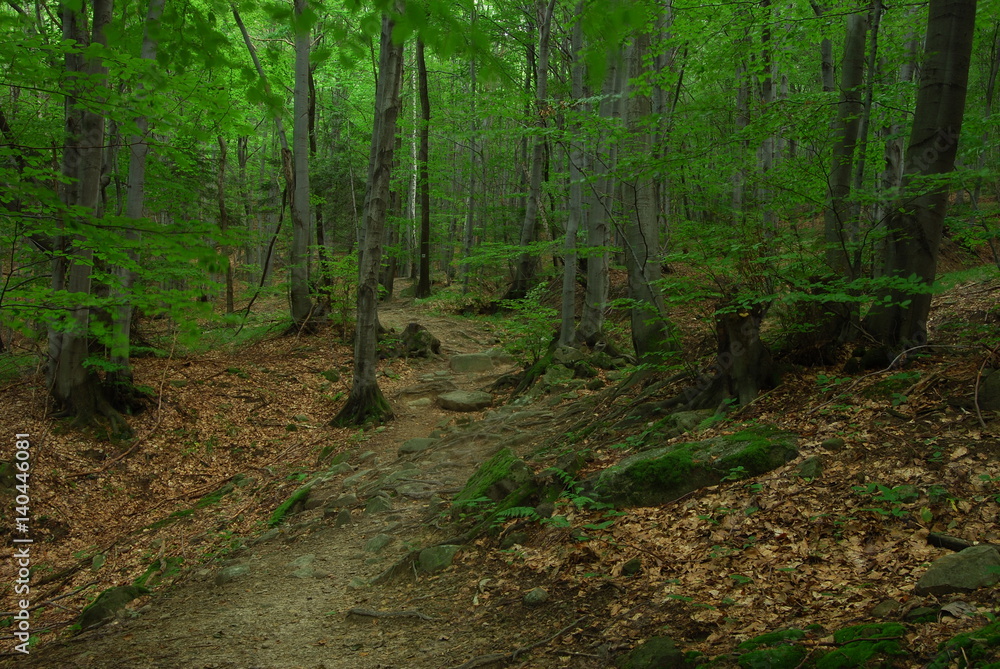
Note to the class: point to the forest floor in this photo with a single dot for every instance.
(710, 570)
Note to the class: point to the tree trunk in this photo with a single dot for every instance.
(301, 303)
(119, 380)
(898, 318)
(424, 283)
(527, 263)
(76, 389)
(591, 328)
(575, 211)
(366, 402)
(650, 332)
(224, 223)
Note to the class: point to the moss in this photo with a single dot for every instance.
(970, 649)
(863, 643)
(489, 473)
(215, 497)
(279, 514)
(668, 471)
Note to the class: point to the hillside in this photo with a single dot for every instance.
(185, 510)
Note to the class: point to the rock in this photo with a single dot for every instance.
(465, 400)
(377, 543)
(302, 561)
(566, 355)
(975, 567)
(437, 558)
(602, 360)
(662, 475)
(417, 342)
(416, 445)
(556, 374)
(498, 479)
(584, 370)
(433, 387)
(536, 597)
(595, 384)
(378, 504)
(421, 403)
(339, 468)
(343, 518)
(357, 583)
(810, 468)
(355, 479)
(989, 391)
(465, 363)
(833, 444)
(888, 608)
(632, 567)
(230, 573)
(344, 501)
(659, 652)
(109, 603)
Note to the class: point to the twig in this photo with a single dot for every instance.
(493, 658)
(358, 611)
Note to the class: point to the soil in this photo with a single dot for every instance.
(904, 452)
(269, 617)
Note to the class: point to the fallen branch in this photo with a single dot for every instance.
(493, 658)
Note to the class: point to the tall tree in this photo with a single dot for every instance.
(898, 318)
(366, 402)
(301, 302)
(524, 272)
(424, 282)
(650, 332)
(75, 388)
(120, 377)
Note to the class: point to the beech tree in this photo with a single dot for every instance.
(366, 402)
(899, 317)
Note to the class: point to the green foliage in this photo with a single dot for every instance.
(528, 331)
(860, 644)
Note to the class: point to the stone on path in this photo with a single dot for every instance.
(416, 445)
(465, 400)
(464, 363)
(436, 558)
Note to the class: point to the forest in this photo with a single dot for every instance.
(707, 216)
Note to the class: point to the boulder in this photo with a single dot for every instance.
(417, 342)
(437, 558)
(416, 445)
(465, 363)
(975, 567)
(109, 603)
(663, 474)
(465, 400)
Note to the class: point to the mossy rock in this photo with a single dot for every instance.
(291, 505)
(772, 639)
(662, 475)
(978, 648)
(862, 645)
(108, 604)
(503, 481)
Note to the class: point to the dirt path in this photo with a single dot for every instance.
(301, 596)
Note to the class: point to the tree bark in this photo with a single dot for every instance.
(366, 403)
(527, 262)
(301, 302)
(650, 332)
(567, 330)
(424, 282)
(75, 388)
(898, 318)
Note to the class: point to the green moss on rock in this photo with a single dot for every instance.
(862, 644)
(979, 648)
